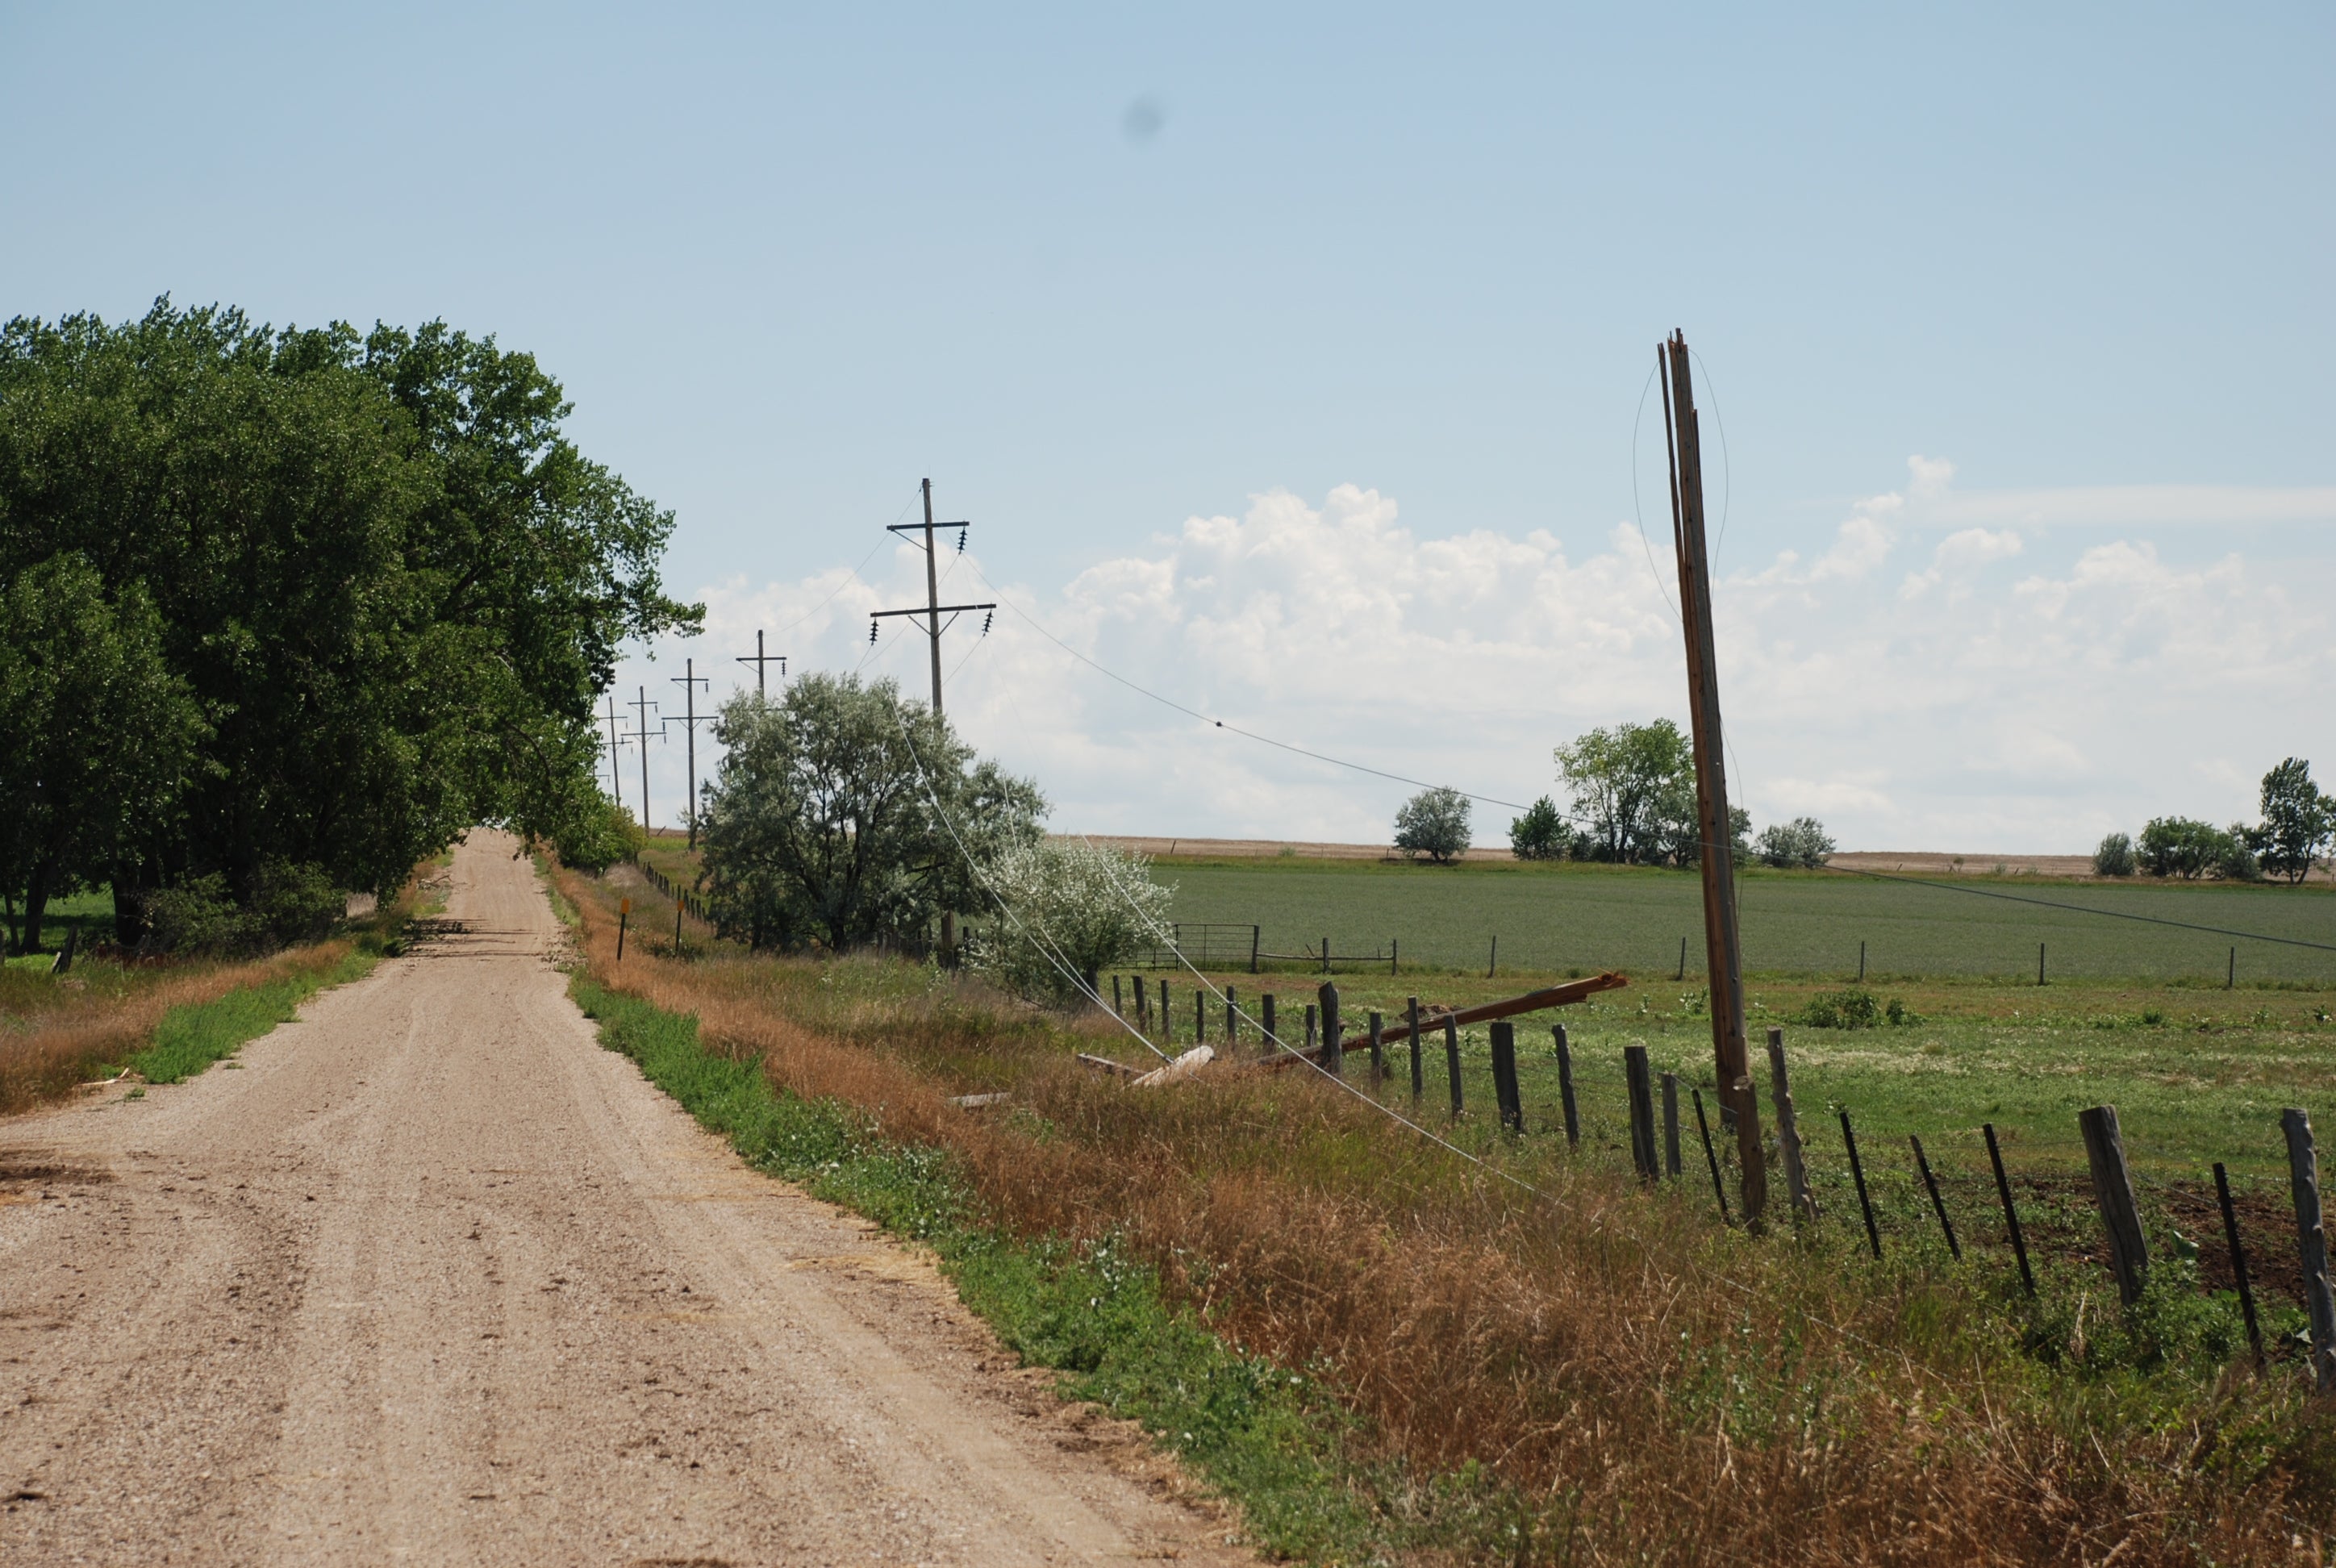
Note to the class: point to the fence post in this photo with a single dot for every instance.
(1861, 960)
(1233, 1022)
(1167, 1018)
(1719, 1188)
(2311, 1244)
(1378, 1050)
(1493, 962)
(1326, 955)
(1272, 1039)
(1334, 1048)
(1938, 1204)
(1670, 1126)
(1642, 1113)
(1118, 1003)
(1252, 950)
(1418, 1085)
(1857, 1174)
(2039, 963)
(1452, 1060)
(2238, 1263)
(1200, 1014)
(2113, 1190)
(1682, 968)
(624, 918)
(1392, 968)
(1310, 1040)
(2010, 1215)
(1505, 1077)
(1143, 1004)
(1789, 1130)
(1565, 1089)
(2231, 975)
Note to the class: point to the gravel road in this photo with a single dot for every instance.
(430, 1277)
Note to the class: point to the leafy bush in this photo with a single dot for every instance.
(1434, 823)
(2235, 857)
(2181, 847)
(1801, 842)
(1541, 834)
(598, 835)
(1078, 907)
(289, 902)
(2114, 857)
(1854, 1009)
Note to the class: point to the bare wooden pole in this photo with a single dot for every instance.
(1716, 856)
(2113, 1190)
(1789, 1130)
(2311, 1245)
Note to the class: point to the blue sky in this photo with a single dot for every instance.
(1108, 273)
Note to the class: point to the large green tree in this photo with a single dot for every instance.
(2298, 820)
(848, 815)
(1633, 784)
(391, 585)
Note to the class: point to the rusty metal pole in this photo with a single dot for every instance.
(1716, 858)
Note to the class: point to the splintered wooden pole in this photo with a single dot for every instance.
(2113, 1191)
(1788, 1131)
(1670, 1126)
(1565, 1089)
(1716, 855)
(1642, 1113)
(1334, 1050)
(2311, 1245)
(1505, 1077)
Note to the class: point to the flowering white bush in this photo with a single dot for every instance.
(1091, 907)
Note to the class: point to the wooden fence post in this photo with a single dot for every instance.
(2113, 1190)
(2311, 1244)
(2011, 1214)
(1493, 962)
(1378, 1049)
(1167, 1018)
(1272, 1039)
(1233, 1022)
(1565, 1089)
(1334, 1048)
(1788, 1131)
(1857, 1174)
(1326, 955)
(1142, 1005)
(1642, 1113)
(624, 918)
(1505, 1077)
(1451, 1061)
(1252, 950)
(1938, 1204)
(2238, 1263)
(1719, 1188)
(1199, 1014)
(1670, 1126)
(1418, 1084)
(1310, 1040)
(1393, 969)
(1118, 1002)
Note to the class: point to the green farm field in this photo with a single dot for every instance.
(1556, 919)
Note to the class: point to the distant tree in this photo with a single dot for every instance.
(2114, 857)
(97, 739)
(844, 815)
(2235, 856)
(1076, 906)
(2299, 821)
(2182, 847)
(1541, 834)
(1802, 843)
(1635, 784)
(1434, 823)
(598, 836)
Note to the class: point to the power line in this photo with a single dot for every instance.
(2081, 908)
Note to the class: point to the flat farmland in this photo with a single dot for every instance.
(1555, 918)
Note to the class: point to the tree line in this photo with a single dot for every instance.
(1633, 794)
(284, 611)
(2298, 824)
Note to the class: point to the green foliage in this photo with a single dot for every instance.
(2299, 821)
(1843, 1010)
(1628, 782)
(2114, 857)
(1541, 834)
(1434, 823)
(391, 585)
(287, 904)
(1076, 906)
(1801, 842)
(190, 1038)
(598, 835)
(2182, 847)
(97, 736)
(845, 816)
(1266, 1436)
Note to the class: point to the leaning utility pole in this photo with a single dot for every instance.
(758, 660)
(689, 680)
(932, 612)
(616, 743)
(1723, 946)
(641, 705)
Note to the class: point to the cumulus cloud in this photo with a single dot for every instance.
(1989, 705)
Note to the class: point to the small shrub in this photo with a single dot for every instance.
(1075, 905)
(1802, 843)
(1541, 834)
(2114, 857)
(1900, 1014)
(1847, 1010)
(290, 903)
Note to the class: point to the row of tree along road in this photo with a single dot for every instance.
(2298, 824)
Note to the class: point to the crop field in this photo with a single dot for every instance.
(1555, 918)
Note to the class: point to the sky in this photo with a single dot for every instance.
(1290, 363)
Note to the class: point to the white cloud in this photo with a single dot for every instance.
(1975, 710)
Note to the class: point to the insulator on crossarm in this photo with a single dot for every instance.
(960, 541)
(871, 634)
(985, 620)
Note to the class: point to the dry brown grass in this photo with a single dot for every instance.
(1652, 1387)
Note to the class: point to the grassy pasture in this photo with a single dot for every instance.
(1553, 918)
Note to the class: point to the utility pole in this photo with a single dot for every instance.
(758, 660)
(689, 680)
(932, 612)
(615, 741)
(1722, 942)
(641, 705)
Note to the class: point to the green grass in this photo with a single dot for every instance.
(1588, 917)
(1261, 1434)
(190, 1038)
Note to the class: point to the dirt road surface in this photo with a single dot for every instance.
(430, 1277)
